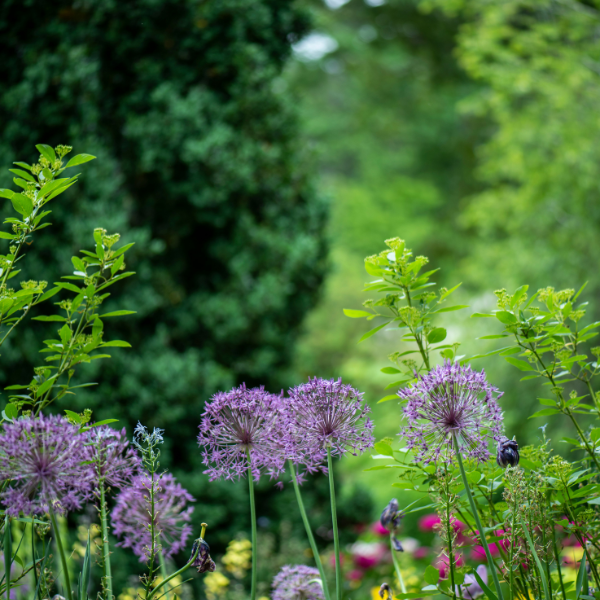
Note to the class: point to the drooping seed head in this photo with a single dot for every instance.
(507, 453)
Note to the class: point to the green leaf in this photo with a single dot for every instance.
(493, 337)
(390, 371)
(50, 318)
(478, 315)
(383, 448)
(79, 159)
(372, 332)
(431, 575)
(356, 314)
(67, 286)
(451, 308)
(4, 193)
(519, 293)
(11, 410)
(580, 576)
(74, 416)
(7, 236)
(484, 587)
(22, 174)
(119, 313)
(520, 364)
(386, 398)
(545, 412)
(448, 354)
(505, 317)
(105, 422)
(46, 151)
(46, 386)
(436, 335)
(65, 334)
(116, 343)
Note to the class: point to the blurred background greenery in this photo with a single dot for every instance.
(257, 150)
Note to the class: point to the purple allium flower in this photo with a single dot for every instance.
(297, 583)
(43, 461)
(451, 400)
(115, 462)
(131, 517)
(240, 423)
(326, 413)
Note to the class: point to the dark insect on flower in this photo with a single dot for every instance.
(451, 402)
(297, 583)
(385, 592)
(507, 453)
(203, 562)
(131, 516)
(325, 414)
(45, 461)
(239, 426)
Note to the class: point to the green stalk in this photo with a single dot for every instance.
(557, 557)
(105, 544)
(163, 572)
(309, 532)
(397, 566)
(478, 520)
(61, 552)
(152, 512)
(185, 567)
(254, 535)
(336, 539)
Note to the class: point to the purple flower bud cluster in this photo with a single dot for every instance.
(131, 517)
(251, 429)
(297, 583)
(451, 401)
(45, 462)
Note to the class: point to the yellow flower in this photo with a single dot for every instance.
(215, 585)
(237, 558)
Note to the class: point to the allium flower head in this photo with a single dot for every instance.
(451, 400)
(115, 462)
(325, 414)
(131, 517)
(297, 583)
(43, 460)
(240, 425)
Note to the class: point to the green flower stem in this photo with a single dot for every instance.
(61, 552)
(105, 544)
(254, 536)
(557, 558)
(397, 567)
(185, 567)
(477, 520)
(309, 532)
(152, 513)
(163, 572)
(336, 538)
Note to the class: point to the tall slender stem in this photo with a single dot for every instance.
(397, 566)
(105, 544)
(254, 536)
(477, 520)
(309, 533)
(557, 558)
(336, 539)
(61, 552)
(163, 572)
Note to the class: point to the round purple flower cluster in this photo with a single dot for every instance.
(45, 461)
(451, 401)
(131, 517)
(297, 583)
(251, 429)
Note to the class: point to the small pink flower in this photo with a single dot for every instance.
(429, 522)
(379, 529)
(355, 575)
(442, 564)
(421, 552)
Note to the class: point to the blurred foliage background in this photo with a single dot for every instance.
(257, 150)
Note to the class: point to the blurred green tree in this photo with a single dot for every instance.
(200, 165)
